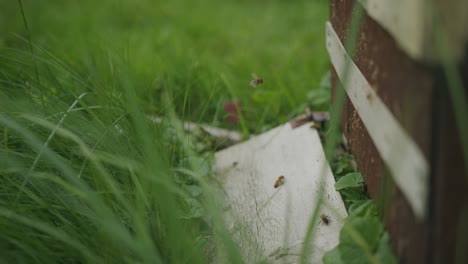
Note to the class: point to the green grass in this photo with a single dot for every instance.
(84, 176)
(203, 51)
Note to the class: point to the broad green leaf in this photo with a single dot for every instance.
(384, 252)
(359, 239)
(363, 209)
(341, 167)
(352, 195)
(350, 180)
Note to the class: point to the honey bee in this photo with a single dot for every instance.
(256, 81)
(325, 219)
(279, 181)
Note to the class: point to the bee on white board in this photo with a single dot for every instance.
(325, 219)
(279, 181)
(256, 80)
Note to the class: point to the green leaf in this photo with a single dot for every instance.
(326, 80)
(340, 168)
(318, 98)
(384, 252)
(194, 190)
(362, 238)
(363, 209)
(333, 257)
(352, 195)
(350, 180)
(359, 239)
(344, 168)
(196, 209)
(201, 165)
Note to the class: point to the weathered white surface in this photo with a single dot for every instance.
(400, 153)
(271, 223)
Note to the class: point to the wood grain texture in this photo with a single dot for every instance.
(271, 223)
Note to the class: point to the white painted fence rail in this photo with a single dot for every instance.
(408, 166)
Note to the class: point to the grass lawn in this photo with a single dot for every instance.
(84, 176)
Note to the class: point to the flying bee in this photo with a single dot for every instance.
(256, 80)
(279, 181)
(325, 219)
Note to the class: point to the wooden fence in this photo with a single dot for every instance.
(399, 120)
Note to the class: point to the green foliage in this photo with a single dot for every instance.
(319, 98)
(342, 164)
(351, 187)
(84, 176)
(203, 51)
(350, 180)
(362, 238)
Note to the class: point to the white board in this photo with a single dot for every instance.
(271, 223)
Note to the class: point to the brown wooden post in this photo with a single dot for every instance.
(417, 96)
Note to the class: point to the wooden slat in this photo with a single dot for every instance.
(272, 222)
(404, 159)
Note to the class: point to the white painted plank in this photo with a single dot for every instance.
(272, 222)
(406, 162)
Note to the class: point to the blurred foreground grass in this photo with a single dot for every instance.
(84, 177)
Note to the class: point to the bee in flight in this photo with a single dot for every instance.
(256, 80)
(325, 219)
(279, 181)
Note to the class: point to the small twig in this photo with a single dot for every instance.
(309, 116)
(215, 132)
